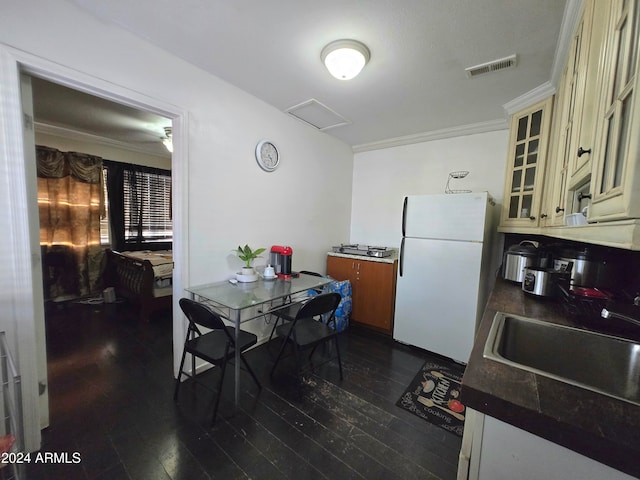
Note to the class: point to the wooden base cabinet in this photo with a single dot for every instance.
(373, 285)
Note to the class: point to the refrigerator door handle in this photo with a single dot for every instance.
(404, 216)
(401, 259)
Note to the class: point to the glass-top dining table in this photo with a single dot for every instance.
(239, 302)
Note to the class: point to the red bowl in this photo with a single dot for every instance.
(588, 292)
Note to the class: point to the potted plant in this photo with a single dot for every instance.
(248, 256)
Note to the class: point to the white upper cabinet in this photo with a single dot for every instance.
(568, 157)
(586, 74)
(594, 154)
(616, 185)
(526, 162)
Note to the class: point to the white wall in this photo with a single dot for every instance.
(305, 204)
(381, 179)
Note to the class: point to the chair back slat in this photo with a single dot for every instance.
(324, 303)
(199, 314)
(313, 274)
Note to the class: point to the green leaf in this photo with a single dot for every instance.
(247, 255)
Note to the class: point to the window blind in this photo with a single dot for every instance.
(147, 206)
(139, 207)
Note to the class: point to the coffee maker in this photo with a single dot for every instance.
(280, 260)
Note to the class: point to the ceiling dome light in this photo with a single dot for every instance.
(345, 58)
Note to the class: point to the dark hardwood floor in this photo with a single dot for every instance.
(111, 386)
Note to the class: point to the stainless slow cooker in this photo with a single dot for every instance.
(587, 270)
(517, 257)
(542, 281)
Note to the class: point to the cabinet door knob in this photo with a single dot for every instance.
(532, 217)
(558, 209)
(582, 151)
(581, 196)
(543, 215)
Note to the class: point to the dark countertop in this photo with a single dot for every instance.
(595, 425)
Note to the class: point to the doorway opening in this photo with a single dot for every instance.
(24, 315)
(70, 120)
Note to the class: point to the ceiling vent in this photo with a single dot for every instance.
(493, 66)
(314, 113)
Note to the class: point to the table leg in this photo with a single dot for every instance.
(236, 319)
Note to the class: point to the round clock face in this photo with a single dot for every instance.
(267, 156)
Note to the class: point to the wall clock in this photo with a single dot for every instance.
(267, 155)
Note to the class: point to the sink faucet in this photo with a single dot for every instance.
(609, 314)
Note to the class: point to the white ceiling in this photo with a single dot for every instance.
(414, 83)
(61, 111)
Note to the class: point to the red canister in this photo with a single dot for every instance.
(281, 260)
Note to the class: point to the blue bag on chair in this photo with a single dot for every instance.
(343, 287)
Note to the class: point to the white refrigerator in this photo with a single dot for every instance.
(443, 271)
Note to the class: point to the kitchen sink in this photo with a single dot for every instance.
(595, 361)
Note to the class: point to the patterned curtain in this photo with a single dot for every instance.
(70, 202)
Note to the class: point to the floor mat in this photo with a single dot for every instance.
(433, 394)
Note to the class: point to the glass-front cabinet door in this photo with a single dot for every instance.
(574, 117)
(615, 193)
(566, 124)
(525, 163)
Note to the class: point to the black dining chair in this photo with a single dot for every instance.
(307, 330)
(216, 346)
(288, 313)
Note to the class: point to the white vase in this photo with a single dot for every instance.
(247, 275)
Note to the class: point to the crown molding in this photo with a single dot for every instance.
(71, 134)
(532, 97)
(459, 131)
(570, 18)
(572, 12)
